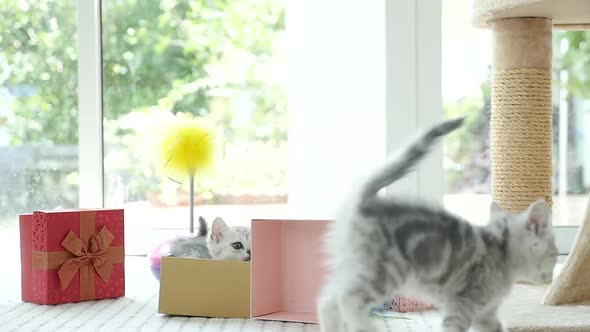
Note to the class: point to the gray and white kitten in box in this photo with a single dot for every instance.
(224, 243)
(383, 246)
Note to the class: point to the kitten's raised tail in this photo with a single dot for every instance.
(203, 228)
(408, 158)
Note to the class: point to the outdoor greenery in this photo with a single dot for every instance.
(218, 59)
(575, 59)
(572, 55)
(222, 60)
(38, 67)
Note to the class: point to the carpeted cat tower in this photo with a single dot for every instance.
(521, 144)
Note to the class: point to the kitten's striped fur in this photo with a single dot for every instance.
(195, 247)
(384, 246)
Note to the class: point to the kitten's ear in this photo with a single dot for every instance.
(539, 217)
(203, 228)
(217, 229)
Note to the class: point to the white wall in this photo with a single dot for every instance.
(355, 93)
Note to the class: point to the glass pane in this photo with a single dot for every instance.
(221, 60)
(466, 60)
(38, 108)
(466, 66)
(571, 78)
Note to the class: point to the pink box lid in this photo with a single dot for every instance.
(287, 269)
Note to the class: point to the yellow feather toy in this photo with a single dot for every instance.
(186, 147)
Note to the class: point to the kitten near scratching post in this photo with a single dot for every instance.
(224, 242)
(382, 246)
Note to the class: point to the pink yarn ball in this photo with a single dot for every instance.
(155, 256)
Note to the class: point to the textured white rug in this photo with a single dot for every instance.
(138, 311)
(523, 311)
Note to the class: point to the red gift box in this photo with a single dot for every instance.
(72, 256)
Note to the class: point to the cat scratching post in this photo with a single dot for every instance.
(521, 112)
(521, 126)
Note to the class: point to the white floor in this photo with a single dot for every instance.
(137, 311)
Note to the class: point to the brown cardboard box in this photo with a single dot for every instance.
(203, 287)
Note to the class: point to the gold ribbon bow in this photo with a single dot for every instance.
(94, 255)
(88, 253)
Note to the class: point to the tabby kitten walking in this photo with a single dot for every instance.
(382, 246)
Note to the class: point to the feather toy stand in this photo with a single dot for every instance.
(185, 147)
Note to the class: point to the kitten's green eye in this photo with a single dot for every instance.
(237, 245)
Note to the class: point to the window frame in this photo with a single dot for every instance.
(90, 111)
(413, 87)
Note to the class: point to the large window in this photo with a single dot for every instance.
(221, 60)
(38, 107)
(466, 56)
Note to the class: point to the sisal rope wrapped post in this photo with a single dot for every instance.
(521, 121)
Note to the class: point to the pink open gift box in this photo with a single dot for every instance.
(287, 269)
